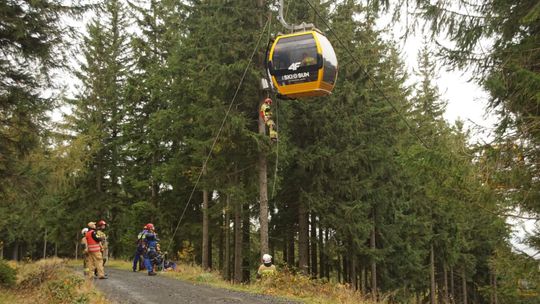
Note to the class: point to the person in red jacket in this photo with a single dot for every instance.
(95, 258)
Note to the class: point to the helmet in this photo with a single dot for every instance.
(92, 225)
(150, 226)
(84, 231)
(267, 258)
(268, 101)
(101, 223)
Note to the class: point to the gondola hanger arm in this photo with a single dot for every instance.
(293, 27)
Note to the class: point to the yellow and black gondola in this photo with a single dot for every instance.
(303, 64)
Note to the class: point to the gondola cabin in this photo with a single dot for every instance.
(303, 64)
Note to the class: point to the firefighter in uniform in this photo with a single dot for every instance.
(84, 248)
(151, 243)
(101, 225)
(266, 115)
(139, 251)
(95, 258)
(267, 268)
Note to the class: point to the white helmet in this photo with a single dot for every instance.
(84, 231)
(267, 258)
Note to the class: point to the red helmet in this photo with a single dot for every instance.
(101, 223)
(149, 226)
(268, 101)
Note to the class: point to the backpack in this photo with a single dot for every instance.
(140, 239)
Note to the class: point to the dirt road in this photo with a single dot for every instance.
(137, 287)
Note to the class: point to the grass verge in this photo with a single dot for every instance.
(49, 281)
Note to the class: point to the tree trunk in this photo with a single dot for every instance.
(272, 240)
(373, 246)
(221, 245)
(492, 285)
(263, 198)
(313, 247)
(464, 285)
(285, 247)
(290, 250)
(205, 221)
(303, 238)
(1, 250)
(99, 174)
(153, 184)
(495, 297)
(45, 244)
(55, 249)
(491, 295)
(353, 275)
(272, 248)
(76, 251)
(238, 243)
(326, 257)
(339, 272)
(15, 253)
(432, 287)
(263, 181)
(452, 290)
(445, 283)
(363, 280)
(263, 177)
(247, 239)
(226, 226)
(346, 271)
(210, 252)
(322, 261)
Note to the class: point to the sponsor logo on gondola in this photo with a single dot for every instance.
(294, 66)
(295, 76)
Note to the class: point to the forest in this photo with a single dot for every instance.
(145, 111)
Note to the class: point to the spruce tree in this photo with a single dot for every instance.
(32, 35)
(98, 113)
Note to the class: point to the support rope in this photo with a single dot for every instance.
(219, 132)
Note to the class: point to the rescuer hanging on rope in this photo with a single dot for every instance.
(266, 115)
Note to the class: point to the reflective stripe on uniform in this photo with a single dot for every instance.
(94, 248)
(93, 245)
